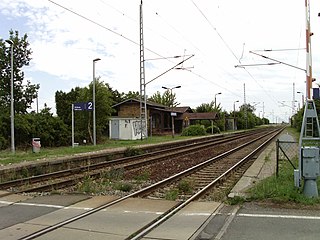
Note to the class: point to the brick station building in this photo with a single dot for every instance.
(126, 122)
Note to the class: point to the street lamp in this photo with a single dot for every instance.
(234, 115)
(94, 102)
(12, 102)
(215, 99)
(172, 117)
(302, 97)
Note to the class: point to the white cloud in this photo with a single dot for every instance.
(65, 44)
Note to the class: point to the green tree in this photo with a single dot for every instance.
(210, 107)
(51, 129)
(24, 94)
(246, 118)
(84, 119)
(64, 101)
(130, 94)
(166, 99)
(104, 108)
(205, 107)
(247, 107)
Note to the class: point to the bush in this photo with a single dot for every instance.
(4, 143)
(194, 130)
(215, 129)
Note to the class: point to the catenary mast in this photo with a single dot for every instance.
(143, 96)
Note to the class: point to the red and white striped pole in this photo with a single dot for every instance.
(308, 52)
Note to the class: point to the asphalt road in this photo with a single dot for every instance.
(264, 222)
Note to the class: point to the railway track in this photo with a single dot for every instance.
(70, 177)
(221, 167)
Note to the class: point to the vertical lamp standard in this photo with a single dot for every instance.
(12, 101)
(172, 117)
(215, 99)
(234, 115)
(94, 102)
(302, 97)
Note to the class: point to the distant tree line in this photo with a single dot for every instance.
(55, 131)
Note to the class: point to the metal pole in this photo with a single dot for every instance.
(72, 128)
(94, 105)
(234, 115)
(37, 103)
(94, 102)
(172, 118)
(277, 158)
(12, 100)
(215, 99)
(12, 104)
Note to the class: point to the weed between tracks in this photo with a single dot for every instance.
(111, 182)
(184, 187)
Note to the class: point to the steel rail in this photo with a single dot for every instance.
(158, 155)
(76, 179)
(197, 195)
(141, 192)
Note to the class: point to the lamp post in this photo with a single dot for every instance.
(215, 99)
(302, 97)
(12, 101)
(234, 115)
(172, 117)
(94, 102)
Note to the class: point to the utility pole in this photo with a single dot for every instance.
(308, 51)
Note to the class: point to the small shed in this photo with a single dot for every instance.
(124, 128)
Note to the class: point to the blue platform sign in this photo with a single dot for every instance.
(83, 106)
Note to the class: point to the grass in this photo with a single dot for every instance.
(6, 157)
(107, 181)
(281, 189)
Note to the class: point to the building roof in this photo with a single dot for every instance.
(149, 103)
(183, 112)
(198, 116)
(182, 109)
(157, 105)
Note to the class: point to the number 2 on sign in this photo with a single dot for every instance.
(90, 106)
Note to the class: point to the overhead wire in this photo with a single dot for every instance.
(232, 52)
(154, 52)
(134, 20)
(104, 27)
(215, 29)
(225, 42)
(158, 14)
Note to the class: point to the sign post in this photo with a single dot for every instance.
(81, 106)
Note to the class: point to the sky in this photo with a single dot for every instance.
(65, 36)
